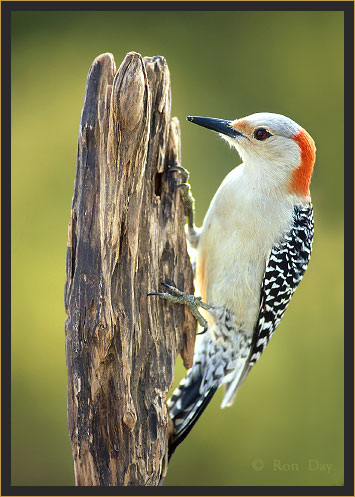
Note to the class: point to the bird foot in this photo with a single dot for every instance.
(178, 297)
(188, 200)
(185, 189)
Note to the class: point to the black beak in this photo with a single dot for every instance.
(219, 125)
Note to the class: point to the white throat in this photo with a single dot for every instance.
(270, 168)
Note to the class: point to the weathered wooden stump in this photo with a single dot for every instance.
(126, 235)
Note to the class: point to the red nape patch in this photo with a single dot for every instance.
(301, 177)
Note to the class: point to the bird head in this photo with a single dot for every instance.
(272, 144)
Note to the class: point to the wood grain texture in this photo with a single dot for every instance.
(126, 235)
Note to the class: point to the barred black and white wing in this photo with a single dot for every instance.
(284, 270)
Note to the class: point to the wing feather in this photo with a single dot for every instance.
(284, 270)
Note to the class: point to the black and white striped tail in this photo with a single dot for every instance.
(215, 362)
(188, 403)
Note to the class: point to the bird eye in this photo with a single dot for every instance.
(261, 134)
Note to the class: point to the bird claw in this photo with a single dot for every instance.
(184, 186)
(178, 297)
(188, 201)
(203, 331)
(184, 172)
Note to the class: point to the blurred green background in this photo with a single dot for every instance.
(286, 427)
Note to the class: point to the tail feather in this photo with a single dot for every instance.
(193, 394)
(215, 363)
(185, 419)
(197, 389)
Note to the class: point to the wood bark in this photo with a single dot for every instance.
(126, 236)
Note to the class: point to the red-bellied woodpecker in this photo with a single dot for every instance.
(250, 255)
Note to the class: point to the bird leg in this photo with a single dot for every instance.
(189, 203)
(178, 297)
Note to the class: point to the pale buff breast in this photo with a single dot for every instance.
(234, 246)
